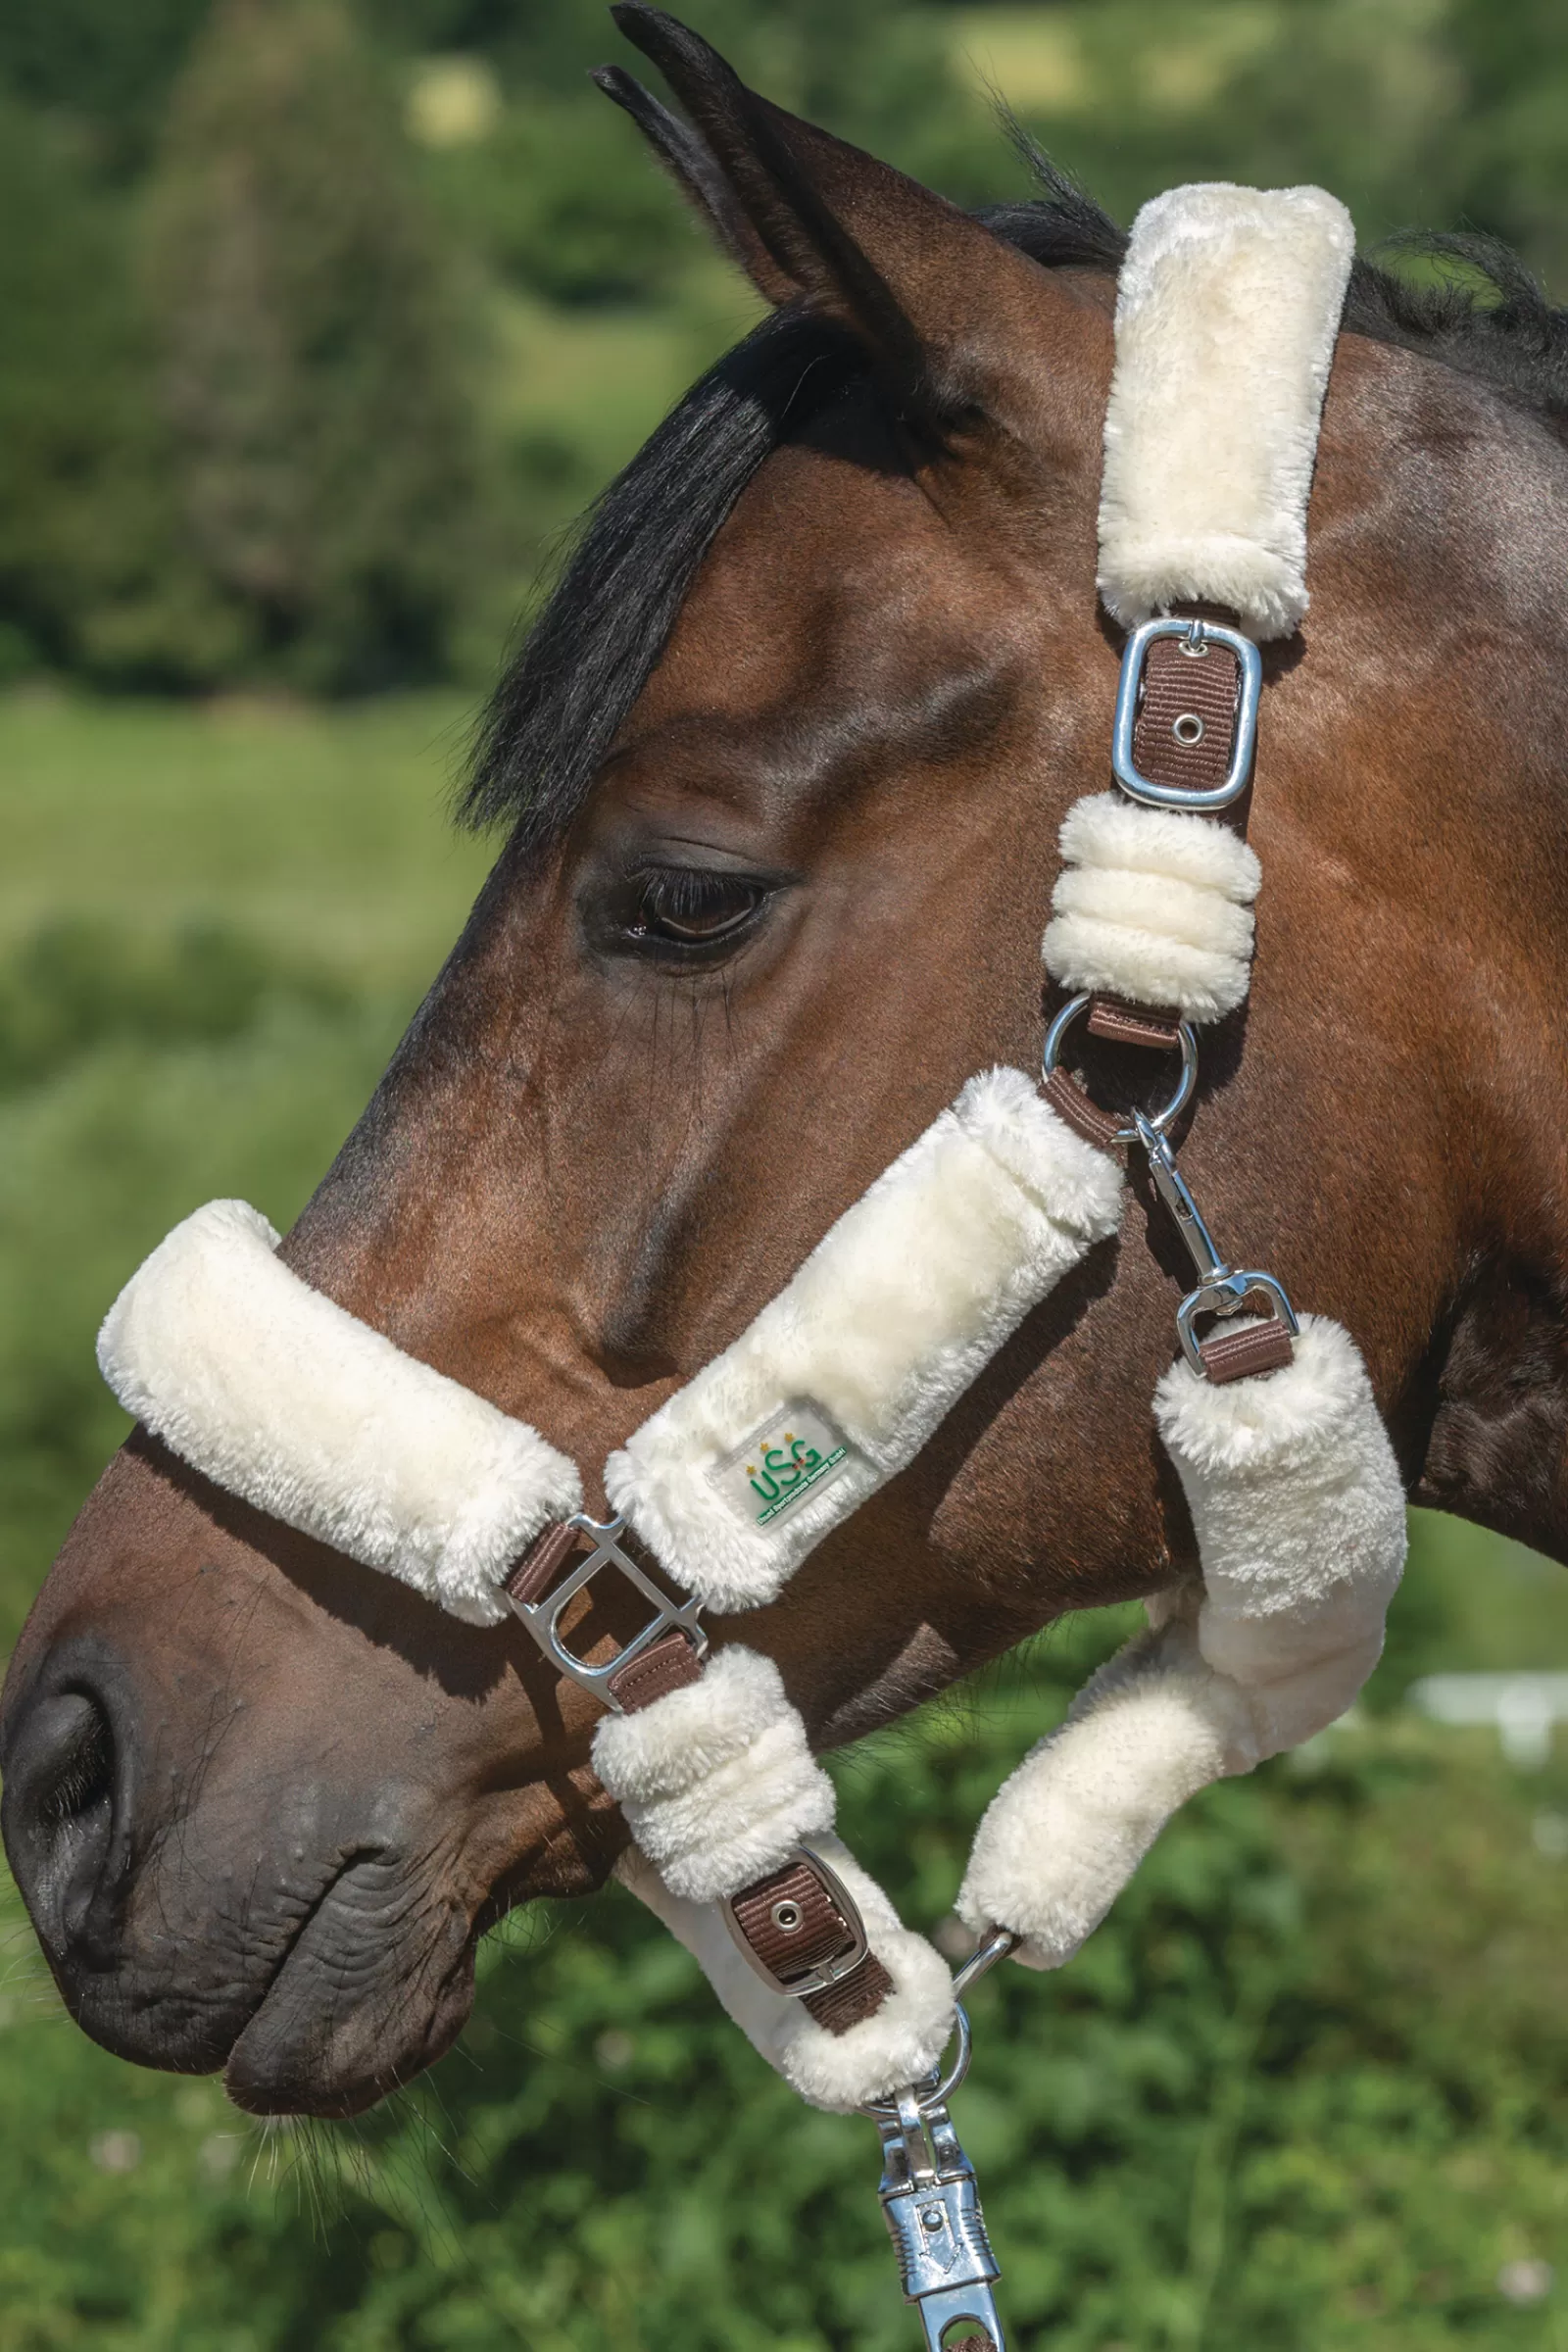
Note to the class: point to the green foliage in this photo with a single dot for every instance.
(100, 64)
(322, 446)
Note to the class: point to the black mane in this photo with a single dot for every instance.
(585, 661)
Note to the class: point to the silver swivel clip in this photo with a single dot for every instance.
(1220, 1288)
(930, 2201)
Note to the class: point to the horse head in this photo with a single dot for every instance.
(783, 765)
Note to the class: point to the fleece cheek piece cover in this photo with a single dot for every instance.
(843, 1377)
(281, 1397)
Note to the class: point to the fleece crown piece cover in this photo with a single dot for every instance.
(1227, 310)
(281, 1397)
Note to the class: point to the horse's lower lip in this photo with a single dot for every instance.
(345, 2017)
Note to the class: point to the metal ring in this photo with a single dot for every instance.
(1159, 1120)
(934, 2090)
(999, 1945)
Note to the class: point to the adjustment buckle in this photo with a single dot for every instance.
(1199, 635)
(832, 1944)
(542, 1617)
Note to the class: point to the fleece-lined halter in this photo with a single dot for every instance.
(1228, 308)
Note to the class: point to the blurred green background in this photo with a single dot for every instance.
(315, 329)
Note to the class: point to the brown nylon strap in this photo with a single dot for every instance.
(792, 1924)
(537, 1568)
(1186, 693)
(852, 2000)
(1122, 1024)
(1086, 1119)
(668, 1664)
(1240, 1350)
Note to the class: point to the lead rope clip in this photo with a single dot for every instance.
(1221, 1290)
(930, 2200)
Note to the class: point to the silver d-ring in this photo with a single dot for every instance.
(933, 2089)
(1159, 1120)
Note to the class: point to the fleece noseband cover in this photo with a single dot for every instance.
(281, 1397)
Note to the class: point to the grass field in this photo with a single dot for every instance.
(1307, 2087)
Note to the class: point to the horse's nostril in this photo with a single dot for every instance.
(60, 1809)
(79, 1776)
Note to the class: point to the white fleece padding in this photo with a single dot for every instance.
(1227, 309)
(282, 1398)
(902, 2042)
(1154, 904)
(717, 1781)
(885, 1325)
(1299, 1510)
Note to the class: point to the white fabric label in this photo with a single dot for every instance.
(795, 1453)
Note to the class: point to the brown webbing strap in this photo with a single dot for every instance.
(1123, 1024)
(1244, 1347)
(1080, 1111)
(667, 1664)
(535, 1570)
(789, 1917)
(1179, 688)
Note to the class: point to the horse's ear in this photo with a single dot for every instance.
(694, 167)
(812, 219)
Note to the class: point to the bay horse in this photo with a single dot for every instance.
(782, 765)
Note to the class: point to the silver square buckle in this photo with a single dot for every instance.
(542, 1617)
(822, 1974)
(1199, 635)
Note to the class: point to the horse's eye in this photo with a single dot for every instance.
(691, 909)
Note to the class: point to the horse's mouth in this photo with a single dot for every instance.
(375, 1984)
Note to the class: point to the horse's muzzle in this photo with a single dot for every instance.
(298, 1944)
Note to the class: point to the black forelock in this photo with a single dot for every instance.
(561, 704)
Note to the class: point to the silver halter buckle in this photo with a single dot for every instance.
(1199, 635)
(542, 1617)
(819, 1976)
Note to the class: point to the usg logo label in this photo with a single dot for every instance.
(798, 1452)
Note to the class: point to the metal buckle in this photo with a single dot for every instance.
(931, 2204)
(1225, 1294)
(1220, 1290)
(1199, 636)
(1161, 1119)
(819, 1976)
(542, 1617)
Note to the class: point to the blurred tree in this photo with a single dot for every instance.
(91, 576)
(315, 370)
(1513, 148)
(100, 62)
